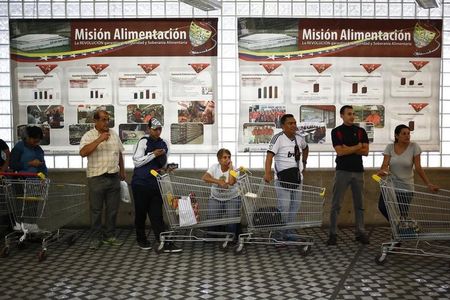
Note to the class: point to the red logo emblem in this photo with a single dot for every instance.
(97, 68)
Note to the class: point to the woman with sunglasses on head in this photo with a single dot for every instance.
(401, 158)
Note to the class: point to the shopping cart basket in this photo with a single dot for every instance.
(195, 192)
(263, 204)
(417, 216)
(39, 209)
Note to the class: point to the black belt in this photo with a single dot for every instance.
(109, 174)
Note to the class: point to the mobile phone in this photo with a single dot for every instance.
(172, 165)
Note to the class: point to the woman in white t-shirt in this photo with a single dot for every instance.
(401, 158)
(224, 201)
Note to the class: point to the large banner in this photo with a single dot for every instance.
(388, 70)
(64, 70)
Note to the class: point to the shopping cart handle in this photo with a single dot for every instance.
(23, 174)
(235, 173)
(154, 173)
(376, 177)
(322, 192)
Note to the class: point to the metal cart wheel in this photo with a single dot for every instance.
(160, 248)
(42, 255)
(381, 259)
(71, 240)
(305, 250)
(239, 248)
(4, 252)
(224, 246)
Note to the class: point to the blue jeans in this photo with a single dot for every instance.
(288, 202)
(227, 209)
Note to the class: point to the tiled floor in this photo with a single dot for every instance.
(204, 271)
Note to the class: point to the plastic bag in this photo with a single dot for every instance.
(124, 192)
(186, 212)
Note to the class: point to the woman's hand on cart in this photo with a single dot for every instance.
(432, 187)
(222, 183)
(382, 173)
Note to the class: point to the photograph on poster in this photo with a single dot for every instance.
(186, 133)
(85, 113)
(76, 132)
(324, 114)
(45, 130)
(52, 115)
(369, 128)
(142, 113)
(265, 33)
(25, 36)
(258, 133)
(313, 132)
(266, 113)
(196, 111)
(130, 134)
(370, 114)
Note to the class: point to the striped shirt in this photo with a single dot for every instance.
(105, 158)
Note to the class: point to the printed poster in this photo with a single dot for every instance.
(388, 70)
(136, 69)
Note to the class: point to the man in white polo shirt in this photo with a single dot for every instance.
(287, 148)
(105, 169)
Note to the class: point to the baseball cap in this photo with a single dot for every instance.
(154, 124)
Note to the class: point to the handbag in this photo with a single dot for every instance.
(186, 212)
(124, 192)
(291, 175)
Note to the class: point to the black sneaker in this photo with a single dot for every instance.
(363, 239)
(171, 248)
(332, 240)
(144, 244)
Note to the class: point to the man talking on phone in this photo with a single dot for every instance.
(105, 170)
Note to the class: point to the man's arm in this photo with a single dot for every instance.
(122, 173)
(89, 148)
(364, 150)
(342, 150)
(268, 166)
(305, 153)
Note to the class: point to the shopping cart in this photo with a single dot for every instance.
(39, 209)
(175, 189)
(417, 216)
(262, 202)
